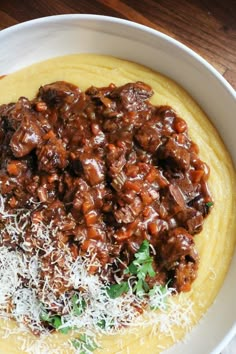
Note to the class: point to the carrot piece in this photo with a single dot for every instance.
(41, 106)
(196, 175)
(74, 250)
(92, 269)
(132, 171)
(91, 218)
(153, 228)
(88, 244)
(13, 168)
(180, 125)
(49, 135)
(133, 185)
(87, 206)
(93, 233)
(146, 198)
(13, 202)
(147, 211)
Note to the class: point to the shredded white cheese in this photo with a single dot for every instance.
(24, 294)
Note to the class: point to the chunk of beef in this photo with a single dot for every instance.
(191, 219)
(175, 155)
(176, 244)
(133, 96)
(27, 136)
(177, 195)
(148, 138)
(185, 274)
(115, 159)
(93, 168)
(12, 114)
(124, 215)
(51, 156)
(194, 224)
(186, 186)
(129, 212)
(179, 257)
(172, 200)
(58, 93)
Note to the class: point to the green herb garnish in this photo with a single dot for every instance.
(84, 343)
(141, 267)
(158, 297)
(116, 290)
(102, 324)
(78, 305)
(209, 204)
(54, 321)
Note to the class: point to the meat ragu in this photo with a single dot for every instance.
(109, 170)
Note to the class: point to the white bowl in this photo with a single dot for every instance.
(37, 40)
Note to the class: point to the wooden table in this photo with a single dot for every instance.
(206, 26)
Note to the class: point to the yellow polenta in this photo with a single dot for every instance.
(218, 235)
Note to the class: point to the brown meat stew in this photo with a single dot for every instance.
(112, 170)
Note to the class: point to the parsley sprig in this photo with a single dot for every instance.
(139, 268)
(56, 321)
(116, 290)
(78, 305)
(158, 296)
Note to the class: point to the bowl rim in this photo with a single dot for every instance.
(197, 57)
(135, 25)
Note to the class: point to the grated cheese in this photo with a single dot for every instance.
(24, 293)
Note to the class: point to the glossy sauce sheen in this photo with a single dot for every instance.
(112, 171)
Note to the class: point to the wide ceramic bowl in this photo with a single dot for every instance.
(37, 40)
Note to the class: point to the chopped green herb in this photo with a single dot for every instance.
(143, 252)
(141, 267)
(158, 297)
(132, 268)
(78, 305)
(66, 330)
(139, 288)
(105, 324)
(116, 290)
(101, 324)
(54, 321)
(209, 204)
(145, 286)
(84, 343)
(44, 316)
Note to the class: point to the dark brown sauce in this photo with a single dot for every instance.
(112, 170)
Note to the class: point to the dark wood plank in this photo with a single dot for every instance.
(6, 20)
(206, 26)
(230, 76)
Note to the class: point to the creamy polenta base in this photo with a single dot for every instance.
(215, 243)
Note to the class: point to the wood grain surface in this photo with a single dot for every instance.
(206, 26)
